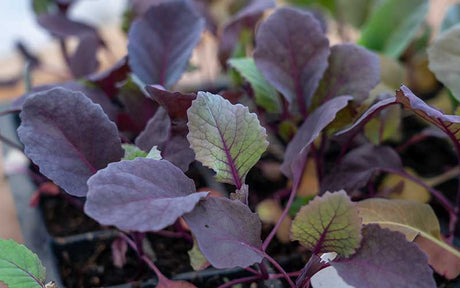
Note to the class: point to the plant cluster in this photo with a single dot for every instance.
(122, 140)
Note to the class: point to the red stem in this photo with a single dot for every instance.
(280, 269)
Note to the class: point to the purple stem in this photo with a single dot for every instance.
(240, 281)
(436, 193)
(280, 269)
(295, 187)
(413, 140)
(182, 232)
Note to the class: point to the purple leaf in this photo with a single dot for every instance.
(58, 25)
(95, 94)
(449, 124)
(310, 130)
(109, 79)
(292, 51)
(228, 233)
(140, 195)
(162, 41)
(352, 71)
(139, 107)
(246, 18)
(386, 259)
(367, 116)
(175, 147)
(155, 132)
(84, 60)
(68, 137)
(359, 166)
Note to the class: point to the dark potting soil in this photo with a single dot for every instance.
(63, 218)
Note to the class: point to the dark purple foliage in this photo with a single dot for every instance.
(84, 61)
(108, 80)
(156, 131)
(386, 259)
(95, 94)
(140, 195)
(292, 51)
(139, 108)
(359, 166)
(310, 130)
(162, 40)
(60, 26)
(246, 18)
(175, 146)
(69, 137)
(228, 233)
(352, 71)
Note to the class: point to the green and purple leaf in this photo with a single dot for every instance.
(292, 51)
(228, 233)
(329, 223)
(162, 40)
(20, 267)
(386, 259)
(352, 70)
(310, 130)
(140, 195)
(225, 137)
(359, 166)
(68, 137)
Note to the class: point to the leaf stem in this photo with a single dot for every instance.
(240, 281)
(436, 193)
(294, 189)
(280, 269)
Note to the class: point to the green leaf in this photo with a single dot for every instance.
(452, 17)
(415, 220)
(354, 12)
(444, 57)
(393, 25)
(197, 259)
(328, 224)
(406, 216)
(225, 137)
(266, 95)
(132, 152)
(19, 267)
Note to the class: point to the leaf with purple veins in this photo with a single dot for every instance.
(141, 195)
(68, 137)
(386, 259)
(225, 137)
(228, 233)
(329, 223)
(292, 51)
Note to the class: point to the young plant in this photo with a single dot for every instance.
(306, 93)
